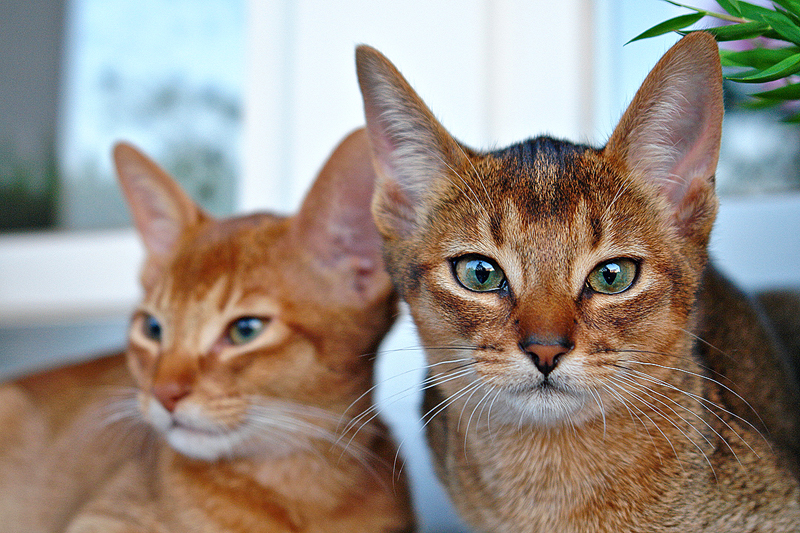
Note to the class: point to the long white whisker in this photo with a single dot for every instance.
(695, 374)
(374, 410)
(489, 413)
(474, 200)
(599, 401)
(433, 381)
(444, 404)
(282, 416)
(477, 385)
(705, 403)
(472, 414)
(477, 176)
(674, 424)
(625, 403)
(651, 393)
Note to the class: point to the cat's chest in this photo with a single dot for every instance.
(512, 479)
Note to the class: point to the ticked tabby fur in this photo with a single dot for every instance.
(253, 344)
(555, 290)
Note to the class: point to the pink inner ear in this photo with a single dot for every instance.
(335, 223)
(670, 133)
(698, 163)
(161, 209)
(162, 236)
(413, 152)
(335, 216)
(679, 145)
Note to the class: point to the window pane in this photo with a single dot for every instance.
(759, 153)
(166, 75)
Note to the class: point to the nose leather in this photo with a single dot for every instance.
(545, 356)
(170, 393)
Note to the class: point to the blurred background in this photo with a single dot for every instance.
(242, 101)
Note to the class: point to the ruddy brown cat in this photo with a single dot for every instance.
(253, 344)
(560, 292)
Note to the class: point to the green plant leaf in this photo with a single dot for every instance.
(792, 6)
(787, 92)
(772, 34)
(746, 21)
(752, 11)
(731, 6)
(677, 23)
(735, 32)
(758, 58)
(795, 18)
(784, 68)
(783, 25)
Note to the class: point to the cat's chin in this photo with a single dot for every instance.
(203, 445)
(549, 406)
(189, 435)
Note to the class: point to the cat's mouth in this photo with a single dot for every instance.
(547, 402)
(544, 385)
(178, 425)
(195, 436)
(545, 389)
(200, 442)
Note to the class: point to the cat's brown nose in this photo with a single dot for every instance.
(170, 393)
(545, 355)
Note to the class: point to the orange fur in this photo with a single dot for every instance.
(560, 403)
(223, 426)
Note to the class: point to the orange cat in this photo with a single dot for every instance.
(560, 291)
(253, 345)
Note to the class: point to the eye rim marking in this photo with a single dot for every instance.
(500, 286)
(634, 269)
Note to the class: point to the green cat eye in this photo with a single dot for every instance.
(613, 277)
(478, 273)
(151, 328)
(245, 329)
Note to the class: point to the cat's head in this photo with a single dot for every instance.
(255, 332)
(537, 270)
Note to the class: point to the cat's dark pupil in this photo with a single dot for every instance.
(610, 272)
(247, 326)
(152, 328)
(482, 273)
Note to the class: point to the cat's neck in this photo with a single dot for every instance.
(313, 476)
(570, 475)
(569, 472)
(329, 459)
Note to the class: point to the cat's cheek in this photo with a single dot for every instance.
(139, 361)
(154, 413)
(191, 431)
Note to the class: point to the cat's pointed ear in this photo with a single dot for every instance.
(412, 150)
(335, 222)
(161, 210)
(670, 133)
